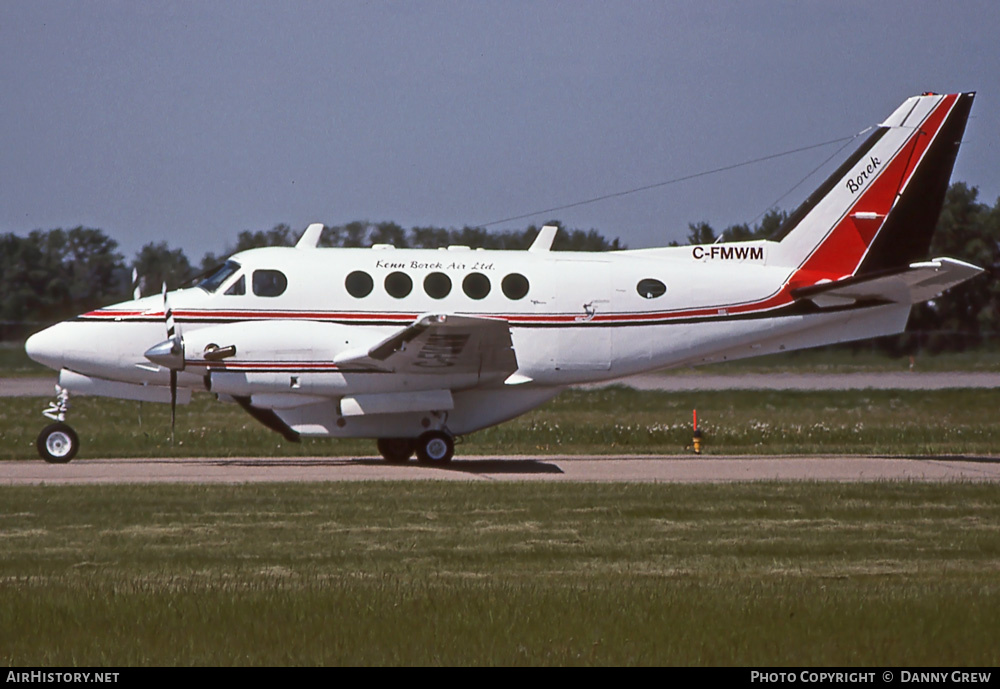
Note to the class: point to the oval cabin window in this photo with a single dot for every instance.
(398, 284)
(269, 283)
(437, 285)
(515, 286)
(650, 288)
(359, 284)
(476, 285)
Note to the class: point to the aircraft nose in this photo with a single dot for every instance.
(47, 347)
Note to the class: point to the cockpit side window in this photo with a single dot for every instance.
(238, 288)
(269, 283)
(215, 280)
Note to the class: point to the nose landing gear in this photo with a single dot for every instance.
(58, 443)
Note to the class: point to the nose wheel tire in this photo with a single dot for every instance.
(57, 443)
(395, 450)
(435, 447)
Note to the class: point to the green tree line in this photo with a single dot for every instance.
(51, 275)
(967, 230)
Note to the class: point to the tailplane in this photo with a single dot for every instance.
(877, 212)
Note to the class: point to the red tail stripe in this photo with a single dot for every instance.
(844, 248)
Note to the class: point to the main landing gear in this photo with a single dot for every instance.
(395, 450)
(58, 442)
(435, 448)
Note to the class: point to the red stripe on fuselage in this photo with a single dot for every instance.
(776, 300)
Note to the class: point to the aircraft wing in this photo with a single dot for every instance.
(441, 343)
(919, 282)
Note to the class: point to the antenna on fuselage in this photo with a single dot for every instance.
(543, 242)
(310, 238)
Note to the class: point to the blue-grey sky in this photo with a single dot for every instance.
(191, 121)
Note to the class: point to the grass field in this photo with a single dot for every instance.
(14, 362)
(611, 420)
(434, 573)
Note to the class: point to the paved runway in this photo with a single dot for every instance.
(673, 469)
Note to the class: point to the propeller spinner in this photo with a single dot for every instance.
(170, 352)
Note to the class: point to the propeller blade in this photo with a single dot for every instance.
(168, 315)
(173, 403)
(170, 353)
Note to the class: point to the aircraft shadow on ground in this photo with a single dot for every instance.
(468, 466)
(501, 466)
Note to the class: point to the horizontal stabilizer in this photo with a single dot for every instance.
(915, 284)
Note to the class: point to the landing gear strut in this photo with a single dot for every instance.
(58, 443)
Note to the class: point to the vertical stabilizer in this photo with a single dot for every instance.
(878, 210)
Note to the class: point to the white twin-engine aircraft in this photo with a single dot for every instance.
(416, 347)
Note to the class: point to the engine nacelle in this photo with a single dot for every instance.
(276, 342)
(240, 359)
(299, 358)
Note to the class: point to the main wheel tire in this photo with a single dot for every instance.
(395, 450)
(435, 447)
(57, 443)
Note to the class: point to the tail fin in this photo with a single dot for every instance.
(878, 211)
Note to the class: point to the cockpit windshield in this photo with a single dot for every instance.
(215, 280)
